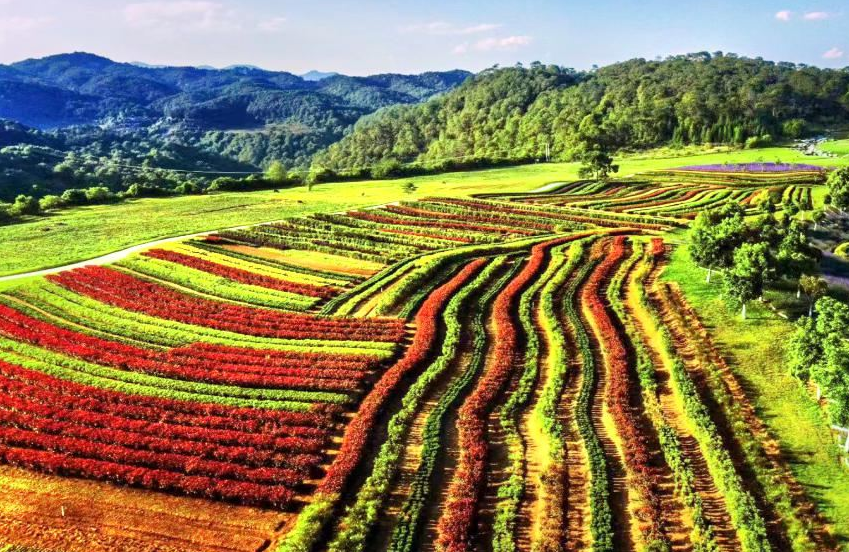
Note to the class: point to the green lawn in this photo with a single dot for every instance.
(837, 147)
(82, 233)
(755, 347)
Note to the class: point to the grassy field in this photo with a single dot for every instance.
(755, 347)
(837, 147)
(86, 232)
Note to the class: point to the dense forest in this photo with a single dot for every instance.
(514, 114)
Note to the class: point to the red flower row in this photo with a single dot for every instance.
(110, 353)
(122, 290)
(637, 455)
(181, 463)
(171, 411)
(550, 215)
(402, 232)
(22, 397)
(301, 455)
(359, 430)
(241, 275)
(155, 479)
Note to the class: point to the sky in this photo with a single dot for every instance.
(359, 37)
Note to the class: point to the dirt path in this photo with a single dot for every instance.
(624, 526)
(676, 524)
(708, 354)
(714, 507)
(578, 536)
(76, 515)
(538, 515)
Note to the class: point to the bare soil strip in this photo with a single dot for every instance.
(677, 524)
(578, 537)
(573, 475)
(715, 508)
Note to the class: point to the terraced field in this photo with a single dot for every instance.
(486, 373)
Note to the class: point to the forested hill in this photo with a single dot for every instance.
(239, 118)
(81, 88)
(514, 113)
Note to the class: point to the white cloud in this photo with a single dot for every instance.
(816, 16)
(784, 15)
(19, 24)
(272, 25)
(494, 44)
(445, 28)
(834, 53)
(192, 15)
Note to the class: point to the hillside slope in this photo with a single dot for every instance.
(513, 114)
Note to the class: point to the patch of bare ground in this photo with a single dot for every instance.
(76, 515)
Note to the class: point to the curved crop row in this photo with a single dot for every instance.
(702, 535)
(361, 517)
(405, 532)
(128, 292)
(635, 450)
(744, 512)
(456, 521)
(315, 516)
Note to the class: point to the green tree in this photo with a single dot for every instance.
(24, 205)
(409, 187)
(51, 202)
(276, 172)
(74, 196)
(838, 187)
(803, 349)
(745, 279)
(813, 287)
(714, 236)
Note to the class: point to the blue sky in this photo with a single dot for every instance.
(371, 36)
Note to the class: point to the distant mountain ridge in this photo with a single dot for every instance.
(86, 89)
(239, 118)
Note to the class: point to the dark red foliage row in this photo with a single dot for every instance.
(637, 454)
(402, 232)
(456, 523)
(657, 247)
(242, 275)
(481, 222)
(680, 199)
(195, 413)
(156, 479)
(127, 357)
(22, 397)
(273, 357)
(300, 454)
(128, 292)
(427, 329)
(589, 219)
(373, 217)
(181, 463)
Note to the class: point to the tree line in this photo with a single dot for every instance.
(524, 114)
